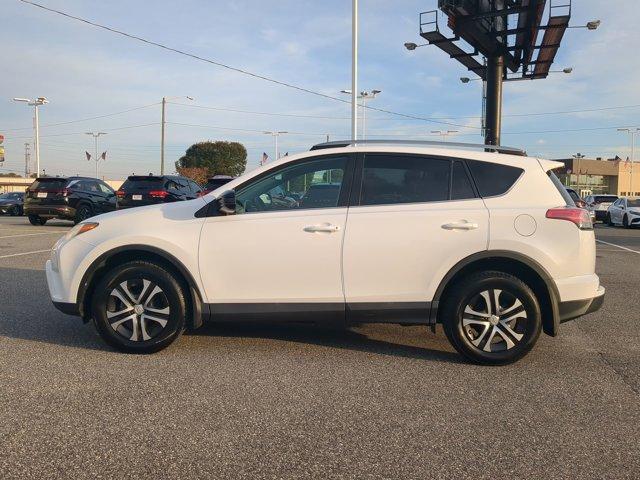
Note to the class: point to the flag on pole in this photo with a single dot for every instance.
(103, 156)
(88, 155)
(265, 158)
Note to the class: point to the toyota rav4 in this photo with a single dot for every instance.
(412, 233)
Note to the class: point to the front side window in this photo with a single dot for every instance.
(391, 179)
(314, 184)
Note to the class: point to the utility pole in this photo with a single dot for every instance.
(27, 159)
(354, 70)
(163, 128)
(579, 157)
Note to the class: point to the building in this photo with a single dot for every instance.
(593, 176)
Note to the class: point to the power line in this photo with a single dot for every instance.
(84, 119)
(229, 67)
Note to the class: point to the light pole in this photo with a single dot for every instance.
(632, 132)
(444, 133)
(95, 138)
(36, 124)
(275, 136)
(364, 96)
(162, 134)
(579, 157)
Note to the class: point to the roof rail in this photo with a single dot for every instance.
(422, 143)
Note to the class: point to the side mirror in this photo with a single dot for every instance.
(227, 203)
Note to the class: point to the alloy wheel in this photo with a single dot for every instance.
(494, 320)
(138, 309)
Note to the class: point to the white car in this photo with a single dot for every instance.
(411, 233)
(624, 212)
(599, 204)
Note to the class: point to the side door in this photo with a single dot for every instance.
(412, 218)
(109, 201)
(276, 254)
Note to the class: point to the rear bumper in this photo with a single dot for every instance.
(61, 211)
(577, 308)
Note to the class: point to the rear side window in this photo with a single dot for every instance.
(461, 187)
(493, 179)
(561, 189)
(391, 179)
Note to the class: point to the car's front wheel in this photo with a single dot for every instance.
(82, 213)
(625, 222)
(139, 307)
(491, 318)
(609, 221)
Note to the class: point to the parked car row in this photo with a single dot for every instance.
(79, 198)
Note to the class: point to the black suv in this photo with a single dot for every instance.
(11, 203)
(72, 198)
(216, 182)
(140, 190)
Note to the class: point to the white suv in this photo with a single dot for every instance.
(488, 244)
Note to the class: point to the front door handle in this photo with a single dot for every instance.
(323, 227)
(462, 225)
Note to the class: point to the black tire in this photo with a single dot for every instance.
(37, 220)
(14, 211)
(104, 305)
(83, 212)
(609, 222)
(625, 221)
(473, 340)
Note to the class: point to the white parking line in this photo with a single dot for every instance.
(25, 253)
(31, 234)
(618, 246)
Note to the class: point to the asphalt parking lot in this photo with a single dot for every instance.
(302, 401)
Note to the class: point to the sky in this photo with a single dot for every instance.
(99, 81)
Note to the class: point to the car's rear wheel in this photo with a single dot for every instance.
(37, 220)
(609, 222)
(139, 307)
(82, 213)
(492, 318)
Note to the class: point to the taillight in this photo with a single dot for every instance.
(203, 193)
(120, 194)
(579, 216)
(158, 193)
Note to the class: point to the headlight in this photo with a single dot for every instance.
(80, 229)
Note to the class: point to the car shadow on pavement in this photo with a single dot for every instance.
(391, 340)
(26, 313)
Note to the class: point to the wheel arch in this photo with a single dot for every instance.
(525, 268)
(126, 253)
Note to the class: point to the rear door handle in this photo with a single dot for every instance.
(463, 225)
(323, 227)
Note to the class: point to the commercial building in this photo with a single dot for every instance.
(597, 175)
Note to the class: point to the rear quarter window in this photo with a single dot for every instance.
(493, 179)
(561, 189)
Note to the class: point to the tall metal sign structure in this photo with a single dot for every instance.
(505, 33)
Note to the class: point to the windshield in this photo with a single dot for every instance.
(49, 184)
(633, 203)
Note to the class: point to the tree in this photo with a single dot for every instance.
(197, 174)
(10, 174)
(219, 158)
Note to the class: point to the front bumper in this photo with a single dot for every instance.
(577, 308)
(601, 215)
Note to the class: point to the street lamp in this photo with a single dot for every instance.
(565, 70)
(364, 96)
(275, 136)
(95, 138)
(444, 133)
(632, 132)
(592, 25)
(412, 46)
(36, 124)
(579, 157)
(164, 113)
